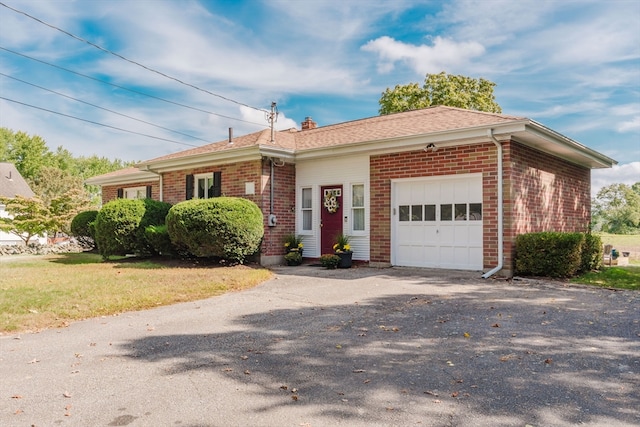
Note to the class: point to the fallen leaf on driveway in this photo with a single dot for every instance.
(33, 361)
(66, 394)
(16, 396)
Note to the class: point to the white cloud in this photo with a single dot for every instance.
(628, 173)
(629, 125)
(444, 54)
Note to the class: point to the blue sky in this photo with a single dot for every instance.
(573, 66)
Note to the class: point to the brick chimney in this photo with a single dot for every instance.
(308, 123)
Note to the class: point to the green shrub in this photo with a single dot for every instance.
(116, 227)
(82, 228)
(330, 261)
(293, 258)
(155, 213)
(226, 227)
(550, 254)
(591, 253)
(158, 238)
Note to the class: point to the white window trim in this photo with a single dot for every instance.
(301, 231)
(197, 177)
(364, 208)
(125, 192)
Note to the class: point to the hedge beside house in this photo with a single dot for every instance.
(555, 254)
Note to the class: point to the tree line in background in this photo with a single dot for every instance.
(616, 209)
(56, 178)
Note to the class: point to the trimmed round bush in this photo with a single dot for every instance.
(82, 228)
(225, 227)
(116, 227)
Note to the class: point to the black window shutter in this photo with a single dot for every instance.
(189, 194)
(148, 191)
(217, 184)
(120, 193)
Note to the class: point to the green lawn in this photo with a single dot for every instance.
(44, 292)
(627, 277)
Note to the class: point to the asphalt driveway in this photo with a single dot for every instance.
(358, 347)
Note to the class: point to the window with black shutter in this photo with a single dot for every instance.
(189, 191)
(217, 184)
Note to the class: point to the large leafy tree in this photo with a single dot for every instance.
(616, 209)
(29, 153)
(441, 89)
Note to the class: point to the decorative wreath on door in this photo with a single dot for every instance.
(331, 202)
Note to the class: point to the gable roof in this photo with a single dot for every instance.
(12, 184)
(411, 130)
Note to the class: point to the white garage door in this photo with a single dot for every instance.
(437, 222)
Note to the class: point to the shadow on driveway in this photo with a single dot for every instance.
(438, 351)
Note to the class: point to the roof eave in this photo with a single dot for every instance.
(236, 155)
(134, 177)
(544, 139)
(442, 139)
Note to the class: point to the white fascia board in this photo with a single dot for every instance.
(449, 138)
(244, 154)
(568, 148)
(131, 178)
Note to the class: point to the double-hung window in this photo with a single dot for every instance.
(307, 211)
(357, 207)
(204, 186)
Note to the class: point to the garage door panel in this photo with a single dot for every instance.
(427, 238)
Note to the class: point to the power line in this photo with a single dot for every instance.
(97, 123)
(127, 89)
(102, 108)
(129, 60)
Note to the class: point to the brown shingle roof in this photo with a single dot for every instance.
(416, 122)
(12, 184)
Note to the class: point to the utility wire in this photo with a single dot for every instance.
(127, 89)
(102, 108)
(129, 60)
(97, 123)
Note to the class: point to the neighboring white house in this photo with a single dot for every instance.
(12, 184)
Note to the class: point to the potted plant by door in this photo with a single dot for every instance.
(343, 250)
(293, 247)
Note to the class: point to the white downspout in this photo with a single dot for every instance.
(500, 214)
(160, 181)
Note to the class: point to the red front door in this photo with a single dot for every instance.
(331, 217)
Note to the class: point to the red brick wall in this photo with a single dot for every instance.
(284, 203)
(544, 193)
(110, 192)
(448, 161)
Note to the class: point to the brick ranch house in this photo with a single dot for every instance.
(439, 187)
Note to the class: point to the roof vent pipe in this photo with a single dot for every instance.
(230, 135)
